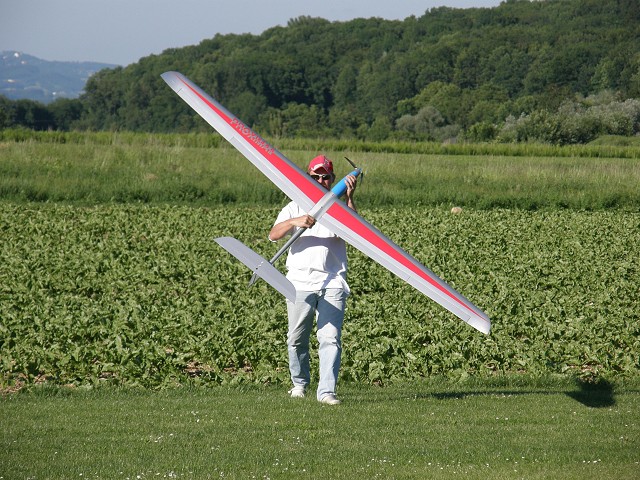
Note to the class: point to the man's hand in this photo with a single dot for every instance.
(305, 221)
(351, 182)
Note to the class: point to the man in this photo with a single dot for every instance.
(317, 267)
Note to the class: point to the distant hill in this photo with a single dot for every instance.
(23, 76)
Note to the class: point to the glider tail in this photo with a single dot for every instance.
(260, 266)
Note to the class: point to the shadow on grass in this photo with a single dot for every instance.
(596, 394)
(593, 394)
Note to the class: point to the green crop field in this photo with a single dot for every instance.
(110, 281)
(142, 295)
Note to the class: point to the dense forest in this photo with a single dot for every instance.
(556, 71)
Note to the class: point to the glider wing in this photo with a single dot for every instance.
(339, 218)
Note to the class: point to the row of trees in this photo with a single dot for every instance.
(554, 70)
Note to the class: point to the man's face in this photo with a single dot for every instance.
(324, 179)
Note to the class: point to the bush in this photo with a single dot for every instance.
(575, 122)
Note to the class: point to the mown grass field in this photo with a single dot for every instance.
(110, 281)
(527, 429)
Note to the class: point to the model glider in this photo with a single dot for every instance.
(325, 206)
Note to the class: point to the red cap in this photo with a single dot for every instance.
(321, 163)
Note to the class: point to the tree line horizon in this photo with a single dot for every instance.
(553, 71)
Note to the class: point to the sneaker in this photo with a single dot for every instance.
(330, 399)
(297, 392)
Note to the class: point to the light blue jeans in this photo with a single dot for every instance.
(327, 306)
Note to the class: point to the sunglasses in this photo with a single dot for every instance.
(325, 176)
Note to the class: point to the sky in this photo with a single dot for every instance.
(120, 32)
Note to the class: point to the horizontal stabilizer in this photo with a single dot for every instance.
(259, 265)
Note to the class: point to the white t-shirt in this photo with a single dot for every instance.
(318, 258)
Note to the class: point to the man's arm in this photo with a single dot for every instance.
(282, 229)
